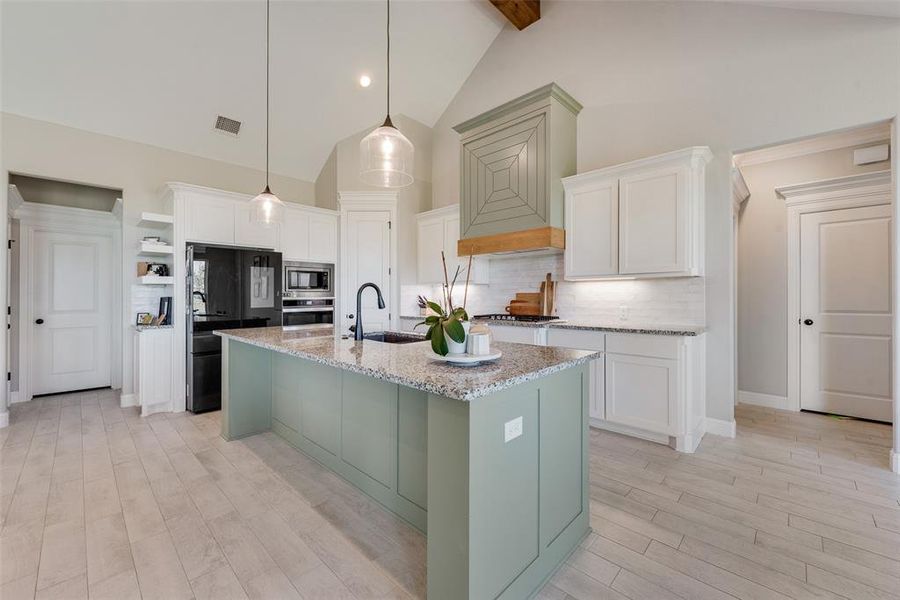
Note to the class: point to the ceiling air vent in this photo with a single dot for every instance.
(226, 125)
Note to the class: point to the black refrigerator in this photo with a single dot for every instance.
(227, 288)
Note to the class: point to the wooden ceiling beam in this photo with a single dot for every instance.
(520, 13)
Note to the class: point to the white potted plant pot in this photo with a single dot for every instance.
(458, 347)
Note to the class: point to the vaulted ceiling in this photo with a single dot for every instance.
(159, 72)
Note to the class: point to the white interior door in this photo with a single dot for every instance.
(72, 311)
(845, 303)
(368, 261)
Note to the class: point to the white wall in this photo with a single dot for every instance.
(655, 77)
(762, 270)
(53, 151)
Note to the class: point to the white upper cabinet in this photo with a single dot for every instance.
(219, 217)
(295, 234)
(323, 237)
(592, 222)
(652, 221)
(309, 234)
(209, 219)
(640, 219)
(248, 233)
(438, 231)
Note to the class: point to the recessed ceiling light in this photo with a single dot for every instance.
(365, 81)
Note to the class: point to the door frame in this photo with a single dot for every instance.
(35, 217)
(368, 201)
(853, 191)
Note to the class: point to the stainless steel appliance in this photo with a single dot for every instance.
(304, 313)
(226, 288)
(308, 280)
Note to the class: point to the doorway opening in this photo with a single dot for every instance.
(65, 287)
(814, 290)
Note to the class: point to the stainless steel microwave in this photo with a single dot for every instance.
(307, 280)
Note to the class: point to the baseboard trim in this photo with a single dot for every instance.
(152, 409)
(15, 397)
(4, 419)
(129, 400)
(895, 461)
(721, 428)
(630, 431)
(767, 400)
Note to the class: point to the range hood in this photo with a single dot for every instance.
(512, 161)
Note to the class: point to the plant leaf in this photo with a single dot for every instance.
(428, 333)
(455, 330)
(460, 314)
(435, 307)
(438, 343)
(432, 319)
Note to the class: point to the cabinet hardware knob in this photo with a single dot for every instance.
(807, 321)
(39, 321)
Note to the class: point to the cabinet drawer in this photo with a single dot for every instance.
(518, 335)
(576, 338)
(639, 344)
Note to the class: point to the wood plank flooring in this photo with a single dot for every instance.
(98, 502)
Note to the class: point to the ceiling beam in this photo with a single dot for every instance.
(520, 13)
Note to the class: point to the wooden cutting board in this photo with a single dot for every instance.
(519, 307)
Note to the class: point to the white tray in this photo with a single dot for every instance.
(469, 360)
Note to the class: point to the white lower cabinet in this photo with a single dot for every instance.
(649, 386)
(642, 392)
(153, 369)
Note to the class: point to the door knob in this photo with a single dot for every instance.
(807, 321)
(39, 321)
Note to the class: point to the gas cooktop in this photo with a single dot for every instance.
(508, 317)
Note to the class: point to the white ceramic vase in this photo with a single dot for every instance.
(458, 347)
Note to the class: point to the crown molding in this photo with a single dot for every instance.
(551, 90)
(864, 184)
(879, 132)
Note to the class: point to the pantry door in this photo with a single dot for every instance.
(845, 318)
(71, 313)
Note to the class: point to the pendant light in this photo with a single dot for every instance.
(266, 209)
(386, 155)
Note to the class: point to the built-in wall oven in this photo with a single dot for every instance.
(308, 295)
(308, 280)
(302, 313)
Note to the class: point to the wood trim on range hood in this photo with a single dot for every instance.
(544, 239)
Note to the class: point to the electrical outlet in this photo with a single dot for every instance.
(623, 312)
(512, 429)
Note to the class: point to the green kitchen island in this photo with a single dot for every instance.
(490, 462)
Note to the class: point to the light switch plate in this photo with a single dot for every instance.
(512, 429)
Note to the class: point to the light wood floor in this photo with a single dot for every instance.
(96, 501)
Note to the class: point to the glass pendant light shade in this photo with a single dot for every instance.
(266, 209)
(386, 157)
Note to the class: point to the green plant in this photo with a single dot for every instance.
(447, 320)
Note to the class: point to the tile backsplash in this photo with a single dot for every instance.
(669, 300)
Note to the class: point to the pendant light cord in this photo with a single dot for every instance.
(267, 95)
(389, 59)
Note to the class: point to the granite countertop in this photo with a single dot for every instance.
(608, 326)
(413, 364)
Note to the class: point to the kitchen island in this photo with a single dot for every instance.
(490, 462)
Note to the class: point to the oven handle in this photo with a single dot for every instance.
(308, 309)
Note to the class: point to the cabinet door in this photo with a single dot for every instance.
(210, 220)
(295, 238)
(642, 392)
(480, 265)
(430, 243)
(247, 233)
(323, 238)
(652, 221)
(592, 230)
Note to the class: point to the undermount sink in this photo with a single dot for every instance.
(393, 337)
